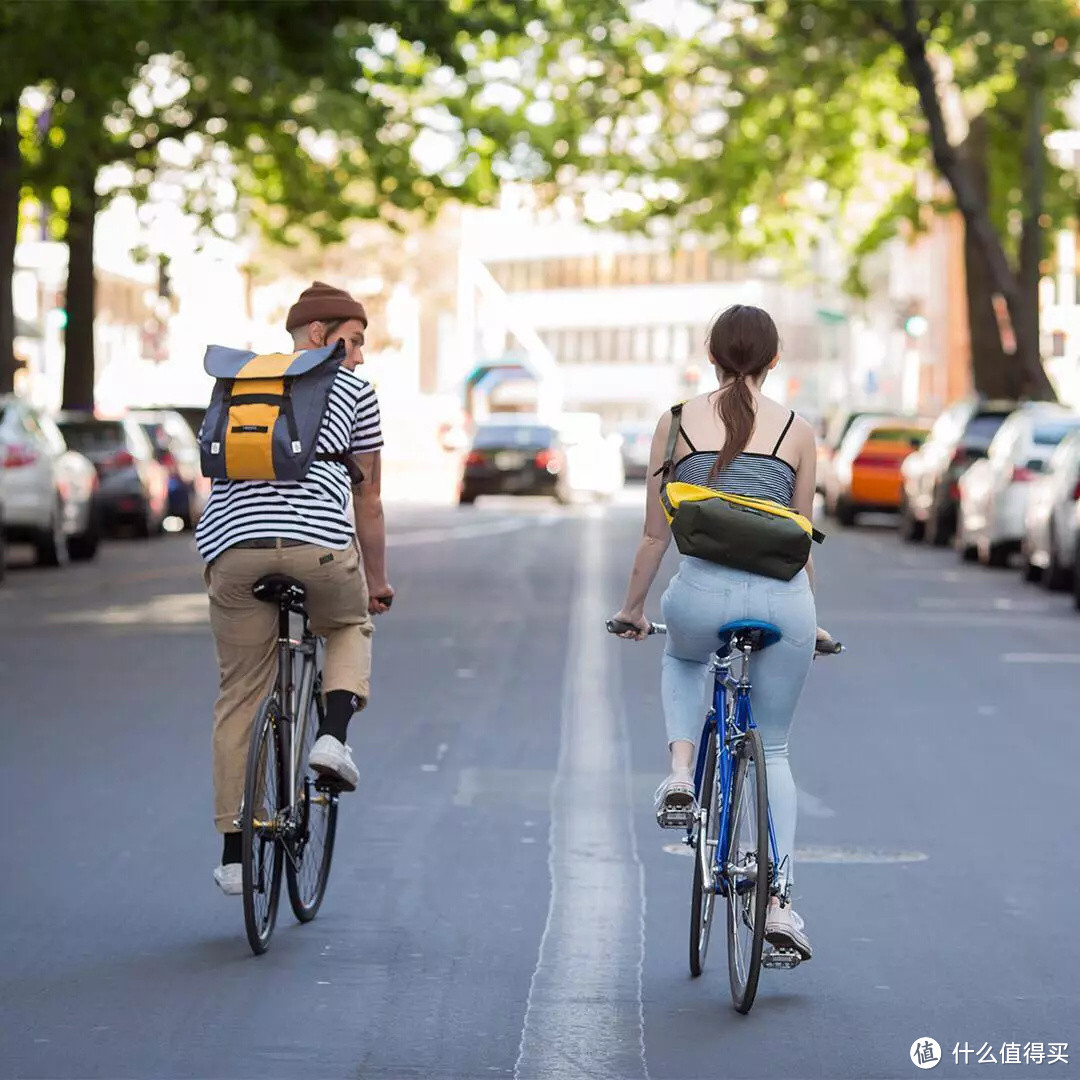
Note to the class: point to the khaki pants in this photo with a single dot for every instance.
(245, 634)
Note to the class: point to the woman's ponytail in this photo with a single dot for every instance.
(742, 343)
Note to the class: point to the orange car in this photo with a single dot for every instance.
(865, 475)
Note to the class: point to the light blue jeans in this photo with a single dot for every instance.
(700, 599)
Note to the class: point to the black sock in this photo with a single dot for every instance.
(231, 851)
(340, 706)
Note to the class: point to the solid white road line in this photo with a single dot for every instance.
(584, 1011)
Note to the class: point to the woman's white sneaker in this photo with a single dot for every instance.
(230, 878)
(333, 759)
(784, 930)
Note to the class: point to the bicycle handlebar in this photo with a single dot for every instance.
(617, 626)
(821, 648)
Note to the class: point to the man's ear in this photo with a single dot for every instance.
(317, 334)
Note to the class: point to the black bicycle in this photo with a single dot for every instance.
(288, 818)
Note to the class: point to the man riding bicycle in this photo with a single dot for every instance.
(301, 528)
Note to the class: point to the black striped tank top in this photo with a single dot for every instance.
(757, 476)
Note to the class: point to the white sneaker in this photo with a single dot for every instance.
(230, 878)
(332, 758)
(784, 930)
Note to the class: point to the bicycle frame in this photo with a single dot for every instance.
(731, 700)
(295, 696)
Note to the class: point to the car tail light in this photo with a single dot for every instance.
(475, 458)
(1022, 475)
(17, 456)
(875, 460)
(122, 459)
(549, 460)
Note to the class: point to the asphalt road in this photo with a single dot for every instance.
(502, 902)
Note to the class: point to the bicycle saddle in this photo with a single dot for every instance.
(758, 635)
(272, 588)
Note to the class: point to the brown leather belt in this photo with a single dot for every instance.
(269, 542)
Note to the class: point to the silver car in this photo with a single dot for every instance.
(994, 491)
(49, 491)
(1051, 532)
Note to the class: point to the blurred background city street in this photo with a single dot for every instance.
(542, 205)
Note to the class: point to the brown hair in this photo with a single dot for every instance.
(742, 343)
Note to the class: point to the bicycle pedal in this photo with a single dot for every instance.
(676, 818)
(328, 785)
(781, 959)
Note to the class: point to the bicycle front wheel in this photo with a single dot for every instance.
(265, 796)
(747, 866)
(308, 869)
(703, 898)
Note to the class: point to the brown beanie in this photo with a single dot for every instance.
(324, 303)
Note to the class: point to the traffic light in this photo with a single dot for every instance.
(916, 325)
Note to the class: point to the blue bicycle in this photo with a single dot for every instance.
(731, 829)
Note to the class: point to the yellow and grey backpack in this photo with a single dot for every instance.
(266, 412)
(743, 533)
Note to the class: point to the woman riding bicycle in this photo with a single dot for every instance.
(735, 440)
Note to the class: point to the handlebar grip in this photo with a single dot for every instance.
(829, 648)
(617, 626)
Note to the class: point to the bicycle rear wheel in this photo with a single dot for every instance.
(703, 897)
(308, 869)
(747, 870)
(264, 796)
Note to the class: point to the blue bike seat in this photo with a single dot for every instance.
(757, 634)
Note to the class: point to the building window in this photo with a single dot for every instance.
(663, 268)
(681, 266)
(661, 345)
(641, 345)
(605, 346)
(605, 269)
(535, 274)
(680, 344)
(572, 273)
(642, 270)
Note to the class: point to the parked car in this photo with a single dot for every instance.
(515, 454)
(3, 540)
(994, 491)
(177, 449)
(1051, 533)
(133, 486)
(930, 499)
(636, 446)
(48, 489)
(865, 472)
(835, 432)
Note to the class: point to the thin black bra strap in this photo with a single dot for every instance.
(783, 434)
(686, 438)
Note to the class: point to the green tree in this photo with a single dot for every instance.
(321, 108)
(810, 115)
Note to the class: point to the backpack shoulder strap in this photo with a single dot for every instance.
(673, 437)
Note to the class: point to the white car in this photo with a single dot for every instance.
(48, 490)
(994, 491)
(1051, 533)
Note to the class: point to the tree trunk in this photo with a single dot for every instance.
(977, 221)
(81, 284)
(1026, 317)
(10, 175)
(994, 372)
